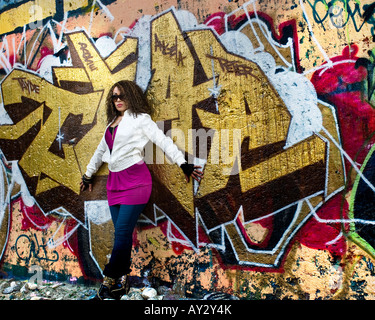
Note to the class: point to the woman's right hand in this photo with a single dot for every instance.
(86, 183)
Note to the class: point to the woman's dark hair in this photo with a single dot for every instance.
(134, 96)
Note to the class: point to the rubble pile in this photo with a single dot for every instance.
(12, 289)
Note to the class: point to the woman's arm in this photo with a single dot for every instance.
(158, 137)
(93, 166)
(165, 143)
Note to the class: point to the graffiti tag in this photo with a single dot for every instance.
(27, 248)
(340, 13)
(168, 50)
(27, 85)
(233, 66)
(87, 56)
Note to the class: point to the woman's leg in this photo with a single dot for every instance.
(114, 210)
(125, 218)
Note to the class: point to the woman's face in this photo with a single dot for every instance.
(119, 100)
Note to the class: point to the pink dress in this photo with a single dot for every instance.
(130, 186)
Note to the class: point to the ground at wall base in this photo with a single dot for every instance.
(12, 289)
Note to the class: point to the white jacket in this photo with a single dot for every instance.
(132, 135)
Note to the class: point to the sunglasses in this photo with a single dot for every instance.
(115, 97)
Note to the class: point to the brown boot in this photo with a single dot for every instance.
(104, 291)
(120, 288)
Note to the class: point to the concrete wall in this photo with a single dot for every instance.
(274, 99)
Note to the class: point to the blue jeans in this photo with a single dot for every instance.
(124, 219)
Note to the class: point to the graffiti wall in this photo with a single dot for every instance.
(274, 99)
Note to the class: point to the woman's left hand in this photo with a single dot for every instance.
(196, 174)
(191, 170)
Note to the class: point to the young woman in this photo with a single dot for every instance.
(129, 182)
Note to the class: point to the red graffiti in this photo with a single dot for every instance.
(342, 86)
(326, 229)
(44, 52)
(34, 218)
(71, 240)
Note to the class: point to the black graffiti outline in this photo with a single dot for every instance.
(35, 248)
(367, 15)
